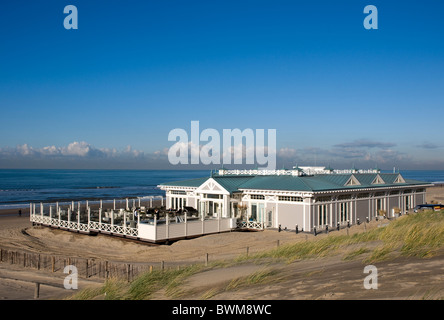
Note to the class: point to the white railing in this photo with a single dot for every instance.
(151, 232)
(84, 227)
(250, 225)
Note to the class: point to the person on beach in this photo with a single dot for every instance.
(20, 212)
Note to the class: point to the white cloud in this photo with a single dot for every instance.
(77, 149)
(80, 149)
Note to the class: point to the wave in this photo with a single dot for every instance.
(100, 187)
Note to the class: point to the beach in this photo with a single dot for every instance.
(17, 233)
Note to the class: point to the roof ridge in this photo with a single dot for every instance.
(304, 183)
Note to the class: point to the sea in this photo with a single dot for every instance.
(19, 187)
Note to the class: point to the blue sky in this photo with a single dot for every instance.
(107, 95)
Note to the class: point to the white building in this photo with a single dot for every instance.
(305, 197)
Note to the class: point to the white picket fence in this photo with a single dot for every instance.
(84, 227)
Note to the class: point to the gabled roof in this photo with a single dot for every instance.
(314, 183)
(229, 183)
(232, 183)
(186, 183)
(273, 182)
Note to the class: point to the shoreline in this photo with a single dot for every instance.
(107, 203)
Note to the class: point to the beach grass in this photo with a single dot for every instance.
(142, 287)
(416, 235)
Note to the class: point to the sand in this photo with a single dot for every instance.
(17, 233)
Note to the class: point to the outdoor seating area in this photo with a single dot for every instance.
(146, 223)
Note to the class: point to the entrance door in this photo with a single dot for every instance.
(261, 213)
(270, 218)
(253, 216)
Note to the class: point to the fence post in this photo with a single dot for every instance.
(37, 290)
(162, 265)
(206, 259)
(248, 249)
(53, 263)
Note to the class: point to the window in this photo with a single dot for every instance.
(178, 192)
(288, 198)
(322, 216)
(408, 201)
(363, 195)
(213, 196)
(257, 197)
(323, 199)
(344, 197)
(343, 209)
(379, 205)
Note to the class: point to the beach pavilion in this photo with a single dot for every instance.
(301, 198)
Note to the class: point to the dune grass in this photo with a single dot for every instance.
(416, 235)
(142, 287)
(258, 277)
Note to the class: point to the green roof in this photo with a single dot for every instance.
(186, 183)
(314, 183)
(232, 183)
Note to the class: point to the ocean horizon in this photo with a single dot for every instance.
(19, 187)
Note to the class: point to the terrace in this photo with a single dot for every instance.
(146, 223)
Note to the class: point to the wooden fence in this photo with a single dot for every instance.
(86, 268)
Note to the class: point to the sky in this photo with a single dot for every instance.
(107, 95)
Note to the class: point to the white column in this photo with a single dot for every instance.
(155, 227)
(78, 216)
(41, 209)
(138, 219)
(124, 221)
(100, 216)
(127, 208)
(167, 217)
